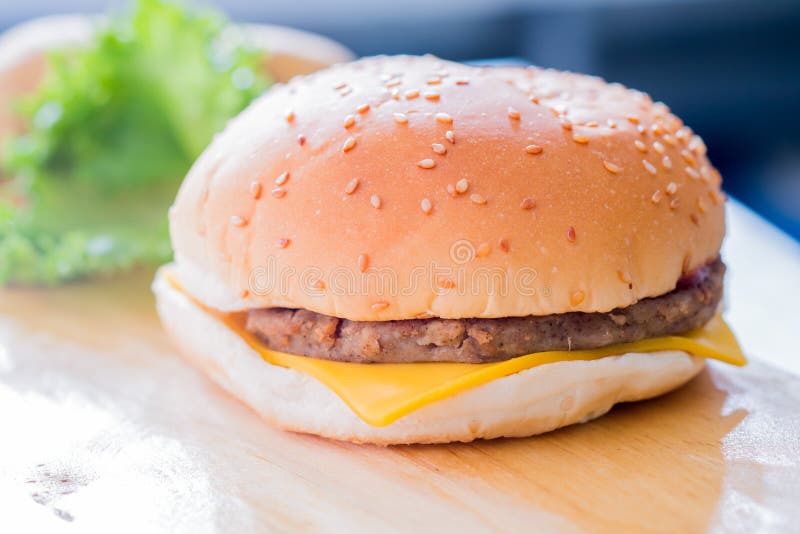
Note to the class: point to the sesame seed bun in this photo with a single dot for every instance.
(569, 193)
(530, 402)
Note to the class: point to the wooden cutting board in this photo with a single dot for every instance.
(104, 428)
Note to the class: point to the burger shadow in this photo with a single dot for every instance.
(655, 464)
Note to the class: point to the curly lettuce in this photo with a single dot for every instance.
(110, 134)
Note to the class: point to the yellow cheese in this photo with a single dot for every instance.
(382, 393)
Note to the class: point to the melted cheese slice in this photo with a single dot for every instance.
(382, 393)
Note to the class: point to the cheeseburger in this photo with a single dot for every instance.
(409, 250)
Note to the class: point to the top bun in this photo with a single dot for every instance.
(406, 187)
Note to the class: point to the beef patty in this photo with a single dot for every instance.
(690, 305)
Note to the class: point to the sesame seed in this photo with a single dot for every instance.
(349, 121)
(624, 277)
(244, 293)
(363, 108)
(633, 119)
(340, 85)
(289, 115)
(301, 139)
(658, 147)
(674, 203)
(611, 123)
(483, 250)
(318, 284)
(610, 167)
(527, 203)
(477, 199)
(462, 81)
(363, 262)
(701, 205)
(375, 200)
(439, 148)
(426, 163)
(400, 118)
(462, 185)
(393, 83)
(451, 190)
(380, 305)
(691, 172)
(433, 96)
(255, 190)
(445, 283)
(683, 134)
(503, 244)
(426, 206)
(444, 118)
(694, 218)
(411, 95)
(656, 198)
(434, 81)
(666, 162)
(351, 186)
(649, 167)
(513, 114)
(641, 147)
(282, 179)
(641, 129)
(669, 140)
(571, 234)
(395, 93)
(688, 158)
(576, 298)
(533, 149)
(238, 221)
(450, 136)
(283, 242)
(346, 91)
(566, 124)
(581, 139)
(672, 188)
(592, 124)
(278, 192)
(534, 99)
(657, 129)
(349, 144)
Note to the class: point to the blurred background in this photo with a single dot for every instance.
(729, 68)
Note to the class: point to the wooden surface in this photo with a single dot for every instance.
(105, 429)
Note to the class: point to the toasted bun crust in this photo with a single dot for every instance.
(615, 214)
(530, 402)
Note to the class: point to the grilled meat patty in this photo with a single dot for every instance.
(691, 305)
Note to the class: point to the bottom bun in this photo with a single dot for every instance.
(530, 402)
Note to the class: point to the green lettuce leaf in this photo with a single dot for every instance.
(111, 132)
